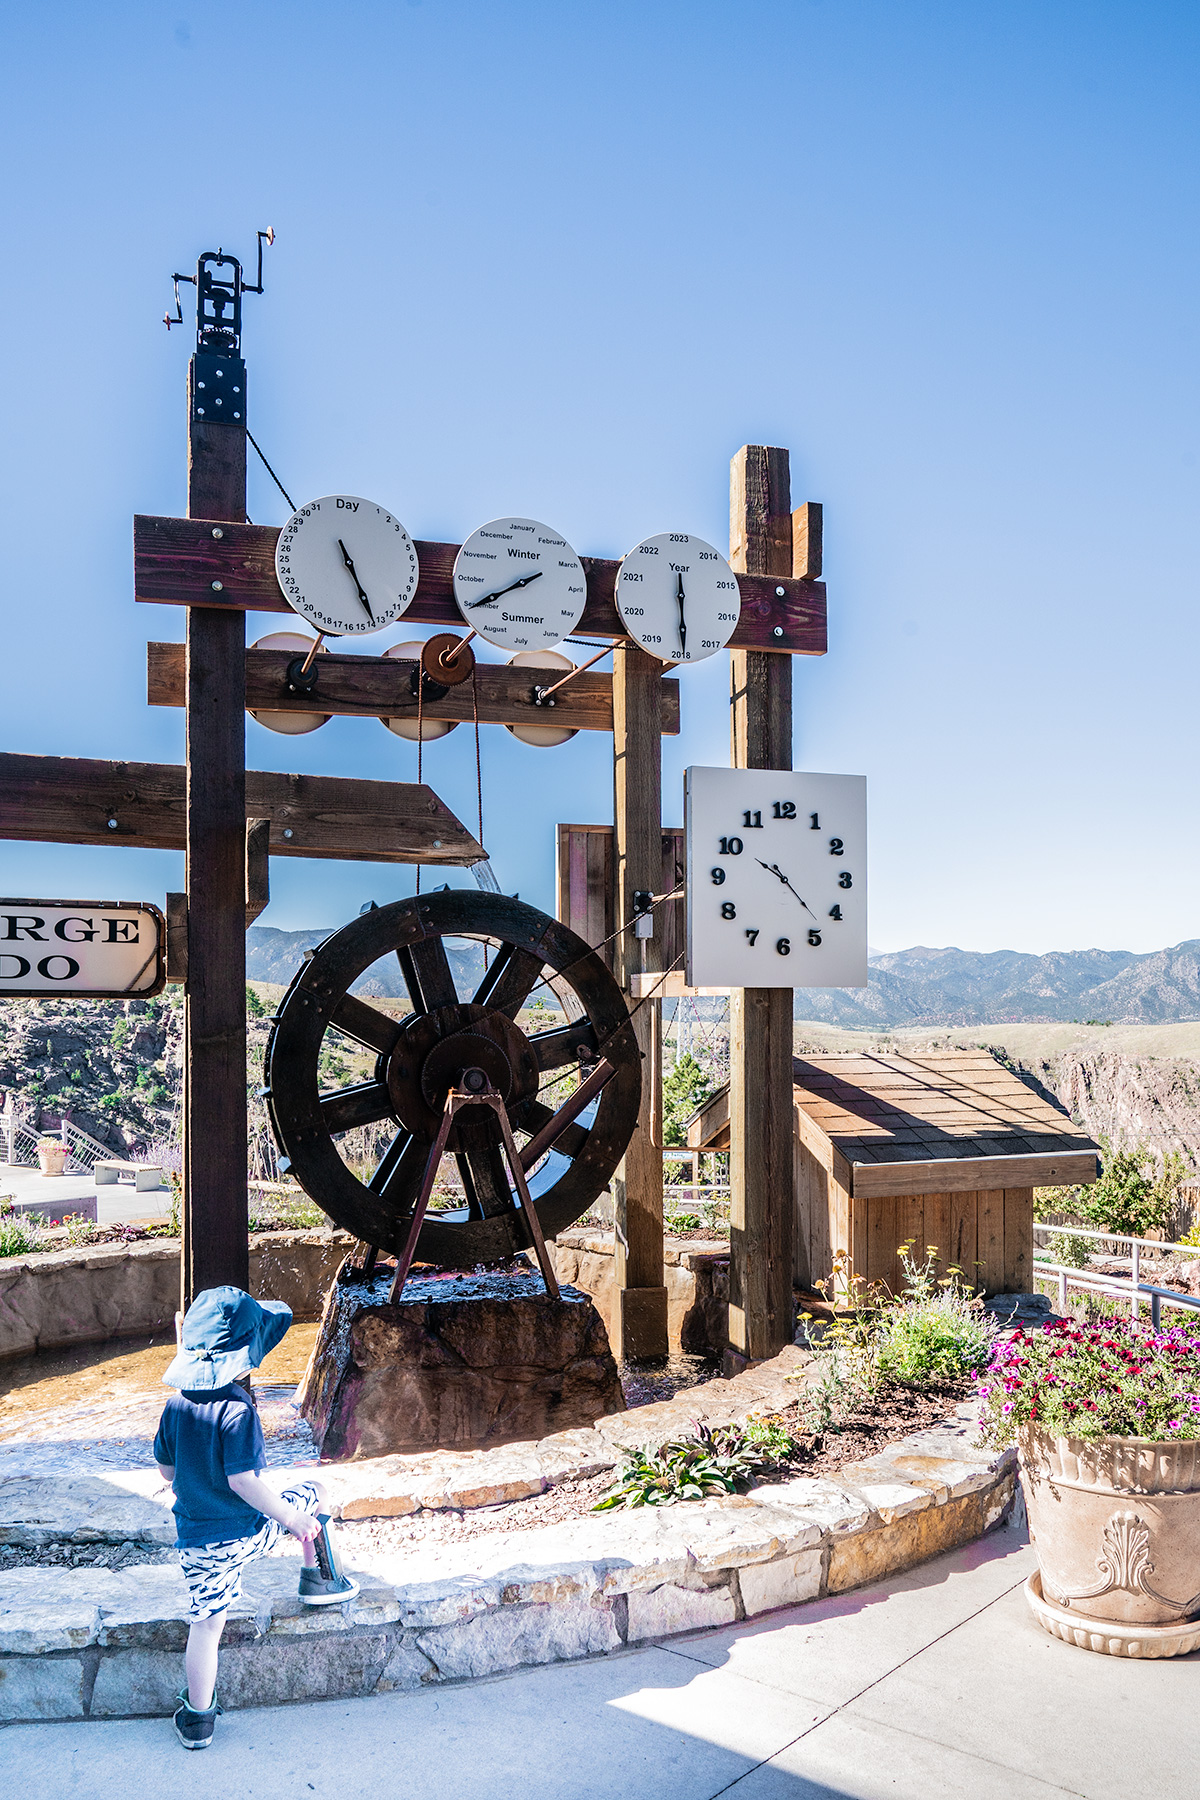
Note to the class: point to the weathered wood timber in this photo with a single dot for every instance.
(641, 1312)
(177, 561)
(75, 800)
(378, 687)
(760, 1036)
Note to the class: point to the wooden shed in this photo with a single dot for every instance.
(944, 1148)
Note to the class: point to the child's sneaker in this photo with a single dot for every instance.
(195, 1729)
(319, 1590)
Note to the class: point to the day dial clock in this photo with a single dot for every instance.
(776, 879)
(678, 597)
(346, 565)
(519, 584)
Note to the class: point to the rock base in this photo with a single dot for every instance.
(466, 1362)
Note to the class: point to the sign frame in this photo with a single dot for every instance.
(55, 988)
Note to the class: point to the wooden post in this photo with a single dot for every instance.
(762, 1200)
(215, 1243)
(640, 1315)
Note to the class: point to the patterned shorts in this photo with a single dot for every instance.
(213, 1572)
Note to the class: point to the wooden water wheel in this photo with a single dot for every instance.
(464, 1019)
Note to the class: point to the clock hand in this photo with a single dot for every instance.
(349, 562)
(521, 582)
(774, 869)
(682, 620)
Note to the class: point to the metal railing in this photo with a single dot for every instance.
(1098, 1281)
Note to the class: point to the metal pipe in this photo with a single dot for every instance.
(544, 693)
(317, 642)
(461, 645)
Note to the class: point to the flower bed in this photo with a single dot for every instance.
(1115, 1378)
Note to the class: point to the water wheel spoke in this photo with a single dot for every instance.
(431, 967)
(400, 1170)
(570, 1141)
(363, 1105)
(506, 986)
(555, 1049)
(366, 1024)
(489, 1189)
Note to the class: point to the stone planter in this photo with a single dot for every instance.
(51, 1158)
(1116, 1525)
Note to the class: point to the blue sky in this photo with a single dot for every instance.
(563, 260)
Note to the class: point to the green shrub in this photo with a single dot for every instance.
(1130, 1198)
(685, 1088)
(1073, 1252)
(19, 1236)
(720, 1461)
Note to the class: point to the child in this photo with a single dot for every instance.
(209, 1447)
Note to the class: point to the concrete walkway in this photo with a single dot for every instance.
(116, 1201)
(934, 1685)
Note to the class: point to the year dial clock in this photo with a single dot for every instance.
(678, 597)
(519, 584)
(776, 879)
(346, 565)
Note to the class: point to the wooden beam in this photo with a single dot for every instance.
(216, 1245)
(380, 687)
(258, 868)
(177, 561)
(74, 800)
(960, 1175)
(640, 1313)
(808, 531)
(761, 1173)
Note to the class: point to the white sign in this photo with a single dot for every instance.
(101, 949)
(776, 879)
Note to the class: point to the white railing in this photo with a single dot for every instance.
(20, 1141)
(1097, 1281)
(83, 1149)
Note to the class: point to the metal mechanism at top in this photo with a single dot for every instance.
(218, 394)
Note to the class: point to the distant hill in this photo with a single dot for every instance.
(922, 986)
(925, 986)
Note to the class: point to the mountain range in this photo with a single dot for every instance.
(921, 986)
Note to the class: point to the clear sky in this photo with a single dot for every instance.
(562, 260)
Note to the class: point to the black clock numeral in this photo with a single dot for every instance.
(836, 847)
(845, 879)
(752, 821)
(816, 823)
(718, 876)
(814, 938)
(752, 937)
(784, 946)
(728, 910)
(731, 847)
(835, 912)
(785, 809)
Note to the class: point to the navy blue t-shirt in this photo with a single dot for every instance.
(207, 1437)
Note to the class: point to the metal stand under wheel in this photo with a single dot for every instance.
(458, 1075)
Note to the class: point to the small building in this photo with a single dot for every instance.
(944, 1147)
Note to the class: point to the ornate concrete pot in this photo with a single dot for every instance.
(1116, 1525)
(51, 1158)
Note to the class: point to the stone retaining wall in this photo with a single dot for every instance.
(128, 1290)
(696, 1276)
(94, 1643)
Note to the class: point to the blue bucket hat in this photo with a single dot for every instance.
(226, 1333)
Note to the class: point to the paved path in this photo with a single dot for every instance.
(115, 1200)
(936, 1685)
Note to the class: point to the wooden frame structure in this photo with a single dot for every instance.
(938, 1149)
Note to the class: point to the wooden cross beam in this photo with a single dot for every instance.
(381, 687)
(74, 800)
(183, 562)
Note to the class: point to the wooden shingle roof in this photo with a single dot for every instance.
(927, 1122)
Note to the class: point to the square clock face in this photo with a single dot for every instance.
(776, 878)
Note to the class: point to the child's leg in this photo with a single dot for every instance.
(204, 1641)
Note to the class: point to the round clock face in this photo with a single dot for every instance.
(678, 597)
(519, 584)
(346, 565)
(776, 879)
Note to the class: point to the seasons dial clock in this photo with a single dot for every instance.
(346, 565)
(776, 879)
(678, 597)
(519, 584)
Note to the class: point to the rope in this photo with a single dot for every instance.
(270, 471)
(478, 760)
(420, 739)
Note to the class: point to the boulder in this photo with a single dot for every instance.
(464, 1362)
